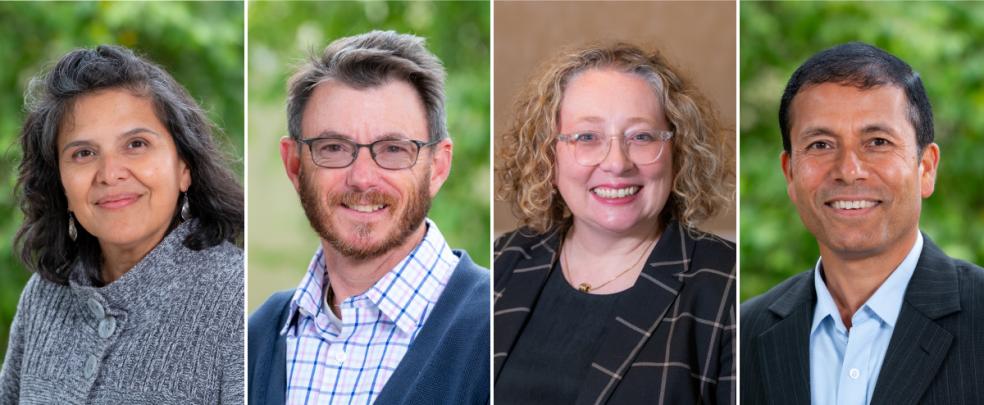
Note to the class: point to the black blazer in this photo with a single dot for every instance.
(935, 356)
(672, 339)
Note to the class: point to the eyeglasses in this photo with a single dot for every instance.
(642, 147)
(390, 154)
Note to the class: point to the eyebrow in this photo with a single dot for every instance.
(867, 129)
(134, 131)
(631, 121)
(389, 136)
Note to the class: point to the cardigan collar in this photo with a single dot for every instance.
(145, 286)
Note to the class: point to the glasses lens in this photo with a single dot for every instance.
(590, 148)
(644, 148)
(394, 154)
(331, 152)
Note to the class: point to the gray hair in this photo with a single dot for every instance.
(369, 60)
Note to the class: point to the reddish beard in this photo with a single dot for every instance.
(408, 217)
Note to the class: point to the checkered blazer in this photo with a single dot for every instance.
(672, 337)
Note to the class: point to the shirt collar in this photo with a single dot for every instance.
(886, 302)
(403, 295)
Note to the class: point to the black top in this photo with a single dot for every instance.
(555, 349)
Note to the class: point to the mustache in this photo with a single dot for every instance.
(372, 197)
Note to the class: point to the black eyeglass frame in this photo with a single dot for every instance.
(358, 147)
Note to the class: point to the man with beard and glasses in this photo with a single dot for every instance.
(387, 311)
(885, 317)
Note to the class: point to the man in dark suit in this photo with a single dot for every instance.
(885, 317)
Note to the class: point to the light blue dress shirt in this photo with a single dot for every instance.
(844, 365)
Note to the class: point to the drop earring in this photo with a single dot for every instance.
(185, 209)
(72, 232)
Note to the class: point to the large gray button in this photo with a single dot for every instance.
(90, 366)
(107, 326)
(96, 308)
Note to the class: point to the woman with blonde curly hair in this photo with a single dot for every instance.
(608, 293)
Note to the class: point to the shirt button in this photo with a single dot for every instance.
(107, 326)
(90, 366)
(95, 308)
(854, 373)
(340, 356)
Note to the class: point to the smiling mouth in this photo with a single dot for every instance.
(607, 192)
(117, 201)
(853, 204)
(365, 208)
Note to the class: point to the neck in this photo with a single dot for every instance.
(608, 262)
(853, 279)
(350, 276)
(117, 260)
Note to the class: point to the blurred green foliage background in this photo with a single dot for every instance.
(940, 40)
(200, 44)
(281, 35)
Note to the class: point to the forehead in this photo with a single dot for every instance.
(392, 107)
(845, 108)
(108, 112)
(607, 92)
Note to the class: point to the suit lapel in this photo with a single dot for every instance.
(637, 314)
(918, 344)
(515, 301)
(784, 349)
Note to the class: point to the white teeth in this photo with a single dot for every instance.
(852, 205)
(366, 208)
(605, 192)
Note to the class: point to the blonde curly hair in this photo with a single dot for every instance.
(703, 164)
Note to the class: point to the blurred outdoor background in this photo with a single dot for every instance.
(940, 40)
(200, 44)
(281, 35)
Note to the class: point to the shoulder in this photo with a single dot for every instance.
(711, 251)
(271, 313)
(468, 290)
(757, 308)
(971, 278)
(522, 244)
(39, 292)
(217, 270)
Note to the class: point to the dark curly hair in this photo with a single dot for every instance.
(215, 196)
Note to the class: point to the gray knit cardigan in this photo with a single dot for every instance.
(170, 331)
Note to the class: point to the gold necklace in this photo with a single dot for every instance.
(585, 287)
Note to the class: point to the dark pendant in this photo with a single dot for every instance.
(584, 287)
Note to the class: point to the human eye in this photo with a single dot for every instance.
(137, 143)
(394, 147)
(642, 137)
(332, 146)
(880, 142)
(586, 138)
(82, 155)
(818, 146)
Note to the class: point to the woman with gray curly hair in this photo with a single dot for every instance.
(608, 293)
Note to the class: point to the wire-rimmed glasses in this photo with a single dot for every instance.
(391, 154)
(642, 147)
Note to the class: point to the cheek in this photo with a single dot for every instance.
(76, 187)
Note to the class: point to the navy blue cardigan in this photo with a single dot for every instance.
(447, 363)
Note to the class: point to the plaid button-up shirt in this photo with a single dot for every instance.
(349, 360)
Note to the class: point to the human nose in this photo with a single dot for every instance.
(112, 170)
(362, 172)
(617, 159)
(850, 166)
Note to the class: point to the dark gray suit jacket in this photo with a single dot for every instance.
(935, 356)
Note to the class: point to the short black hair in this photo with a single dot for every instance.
(863, 66)
(215, 197)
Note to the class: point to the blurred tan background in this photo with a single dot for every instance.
(698, 38)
